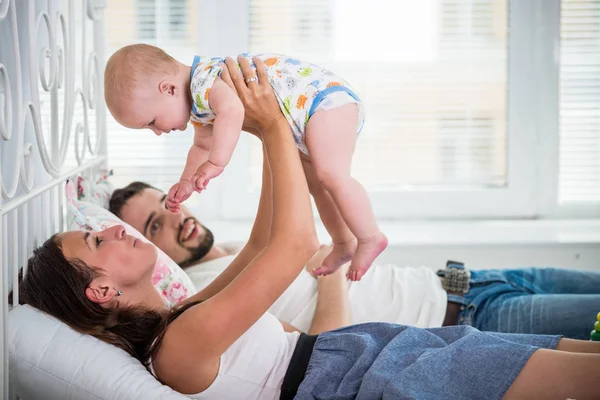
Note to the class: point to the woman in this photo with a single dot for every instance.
(221, 343)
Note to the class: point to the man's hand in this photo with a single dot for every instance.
(318, 258)
(178, 193)
(204, 174)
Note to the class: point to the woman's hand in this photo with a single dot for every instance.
(255, 92)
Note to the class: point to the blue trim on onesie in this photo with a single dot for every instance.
(319, 98)
(194, 65)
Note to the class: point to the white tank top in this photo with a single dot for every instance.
(253, 367)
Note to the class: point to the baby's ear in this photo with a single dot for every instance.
(167, 87)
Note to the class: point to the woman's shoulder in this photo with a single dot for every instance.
(180, 362)
(189, 370)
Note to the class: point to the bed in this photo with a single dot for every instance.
(52, 125)
(53, 130)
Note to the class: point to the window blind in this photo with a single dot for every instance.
(432, 75)
(579, 91)
(139, 154)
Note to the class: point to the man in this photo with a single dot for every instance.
(550, 301)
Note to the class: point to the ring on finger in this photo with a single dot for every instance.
(253, 79)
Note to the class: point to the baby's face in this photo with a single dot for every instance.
(159, 111)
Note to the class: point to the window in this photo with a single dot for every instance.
(177, 18)
(426, 74)
(146, 19)
(474, 108)
(433, 76)
(470, 21)
(466, 153)
(150, 27)
(139, 154)
(579, 117)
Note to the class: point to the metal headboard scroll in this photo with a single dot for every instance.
(52, 125)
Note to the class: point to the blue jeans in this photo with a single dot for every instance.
(532, 300)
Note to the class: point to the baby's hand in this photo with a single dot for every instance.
(204, 174)
(178, 193)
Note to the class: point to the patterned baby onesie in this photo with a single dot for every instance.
(301, 89)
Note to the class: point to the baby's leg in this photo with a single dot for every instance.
(330, 139)
(344, 242)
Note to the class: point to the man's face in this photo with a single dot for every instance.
(179, 235)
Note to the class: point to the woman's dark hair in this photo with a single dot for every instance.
(56, 286)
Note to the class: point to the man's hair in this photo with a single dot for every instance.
(120, 197)
(130, 67)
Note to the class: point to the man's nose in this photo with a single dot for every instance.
(176, 218)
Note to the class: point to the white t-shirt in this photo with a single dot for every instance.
(403, 295)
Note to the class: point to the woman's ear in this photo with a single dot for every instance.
(100, 292)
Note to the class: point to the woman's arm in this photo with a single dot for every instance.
(223, 318)
(261, 229)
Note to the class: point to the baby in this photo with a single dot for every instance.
(147, 88)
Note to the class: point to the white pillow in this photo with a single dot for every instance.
(50, 361)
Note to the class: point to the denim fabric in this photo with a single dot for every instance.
(532, 300)
(386, 361)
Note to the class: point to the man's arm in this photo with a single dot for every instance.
(333, 306)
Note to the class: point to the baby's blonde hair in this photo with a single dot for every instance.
(131, 67)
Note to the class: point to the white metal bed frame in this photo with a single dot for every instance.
(45, 55)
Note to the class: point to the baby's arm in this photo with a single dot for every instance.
(197, 155)
(229, 113)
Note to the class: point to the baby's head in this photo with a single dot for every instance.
(144, 87)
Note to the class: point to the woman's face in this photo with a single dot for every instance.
(122, 258)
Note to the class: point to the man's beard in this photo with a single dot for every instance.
(199, 251)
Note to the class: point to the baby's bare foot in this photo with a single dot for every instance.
(366, 252)
(340, 254)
